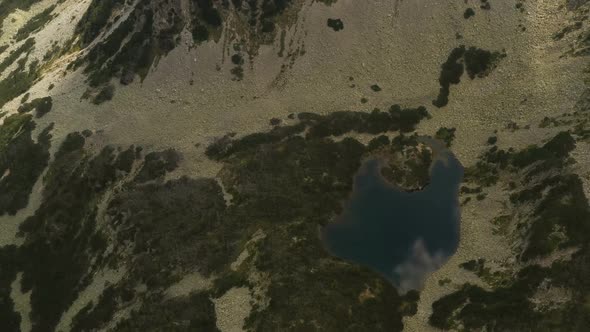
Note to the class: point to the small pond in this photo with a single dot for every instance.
(403, 235)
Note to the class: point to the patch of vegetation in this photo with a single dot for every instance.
(35, 23)
(469, 12)
(183, 220)
(205, 18)
(335, 24)
(105, 94)
(319, 173)
(60, 238)
(558, 218)
(9, 6)
(207, 12)
(444, 281)
(334, 124)
(126, 159)
(552, 154)
(564, 208)
(260, 19)
(25, 98)
(157, 164)
(228, 281)
(237, 59)
(115, 58)
(227, 146)
(485, 5)
(379, 142)
(375, 122)
(410, 169)
(62, 246)
(480, 196)
(21, 161)
(8, 316)
(475, 266)
(109, 59)
(25, 48)
(451, 72)
(334, 288)
(195, 312)
(554, 151)
(95, 19)
(504, 309)
(550, 122)
(469, 190)
(164, 230)
(52, 54)
(41, 106)
(238, 73)
(375, 88)
(567, 30)
(446, 135)
(477, 63)
(200, 33)
(18, 82)
(172, 227)
(509, 308)
(560, 205)
(92, 316)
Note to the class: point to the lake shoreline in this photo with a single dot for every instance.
(386, 228)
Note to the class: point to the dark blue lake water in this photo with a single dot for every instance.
(403, 235)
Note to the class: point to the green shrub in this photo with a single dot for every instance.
(17, 83)
(41, 106)
(21, 161)
(479, 63)
(157, 164)
(336, 24)
(446, 135)
(95, 19)
(35, 23)
(26, 47)
(8, 6)
(451, 72)
(475, 61)
(106, 94)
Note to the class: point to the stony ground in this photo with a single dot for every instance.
(190, 98)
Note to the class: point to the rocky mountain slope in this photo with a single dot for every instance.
(169, 164)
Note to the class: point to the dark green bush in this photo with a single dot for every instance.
(21, 161)
(451, 72)
(446, 135)
(106, 93)
(41, 106)
(336, 24)
(35, 23)
(480, 62)
(26, 47)
(95, 19)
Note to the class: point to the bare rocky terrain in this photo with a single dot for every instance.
(167, 165)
